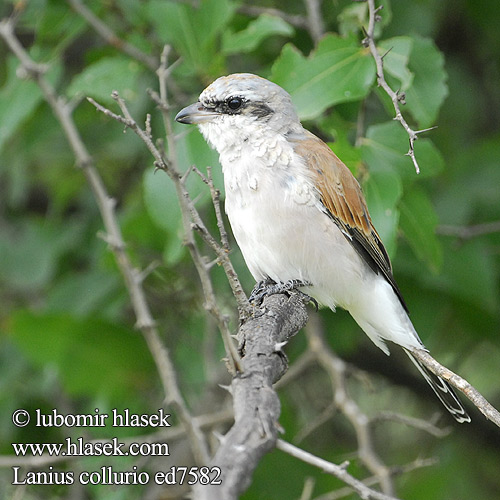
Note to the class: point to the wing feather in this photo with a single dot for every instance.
(343, 201)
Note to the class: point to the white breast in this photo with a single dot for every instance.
(281, 228)
(285, 234)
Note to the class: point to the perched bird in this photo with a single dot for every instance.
(299, 215)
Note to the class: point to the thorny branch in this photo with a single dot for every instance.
(191, 221)
(132, 276)
(397, 98)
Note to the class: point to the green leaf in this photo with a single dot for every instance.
(192, 149)
(428, 91)
(355, 15)
(385, 146)
(418, 222)
(383, 191)
(161, 201)
(339, 70)
(333, 124)
(109, 73)
(397, 54)
(85, 293)
(30, 254)
(469, 273)
(93, 357)
(191, 30)
(18, 99)
(252, 36)
(59, 26)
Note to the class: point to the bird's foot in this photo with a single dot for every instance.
(268, 287)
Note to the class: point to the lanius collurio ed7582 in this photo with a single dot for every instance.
(298, 214)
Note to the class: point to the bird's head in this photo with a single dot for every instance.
(240, 107)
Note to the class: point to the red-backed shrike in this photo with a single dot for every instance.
(299, 216)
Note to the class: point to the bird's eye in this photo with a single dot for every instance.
(234, 103)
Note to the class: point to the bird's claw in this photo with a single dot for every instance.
(268, 287)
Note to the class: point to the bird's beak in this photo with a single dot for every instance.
(195, 113)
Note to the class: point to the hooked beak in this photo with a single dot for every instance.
(195, 113)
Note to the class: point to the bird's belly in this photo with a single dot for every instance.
(284, 237)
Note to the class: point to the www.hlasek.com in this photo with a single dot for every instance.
(78, 447)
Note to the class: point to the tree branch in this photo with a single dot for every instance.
(459, 383)
(396, 470)
(191, 221)
(256, 404)
(132, 276)
(339, 471)
(294, 19)
(336, 369)
(396, 97)
(468, 232)
(110, 37)
(314, 19)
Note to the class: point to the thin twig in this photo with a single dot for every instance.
(220, 250)
(336, 369)
(314, 19)
(110, 37)
(468, 232)
(396, 97)
(416, 423)
(308, 489)
(193, 221)
(396, 470)
(132, 276)
(256, 404)
(339, 471)
(190, 217)
(459, 383)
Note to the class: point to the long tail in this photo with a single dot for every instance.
(443, 391)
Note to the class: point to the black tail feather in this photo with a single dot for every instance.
(443, 391)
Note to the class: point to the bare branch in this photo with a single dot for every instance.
(339, 471)
(396, 97)
(110, 37)
(468, 232)
(459, 383)
(314, 19)
(256, 404)
(396, 470)
(307, 492)
(221, 251)
(131, 276)
(191, 221)
(336, 369)
(416, 423)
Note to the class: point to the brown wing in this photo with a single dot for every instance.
(344, 202)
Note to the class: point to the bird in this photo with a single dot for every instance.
(299, 215)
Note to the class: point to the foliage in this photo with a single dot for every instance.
(66, 327)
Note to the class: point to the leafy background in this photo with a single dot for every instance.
(67, 337)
